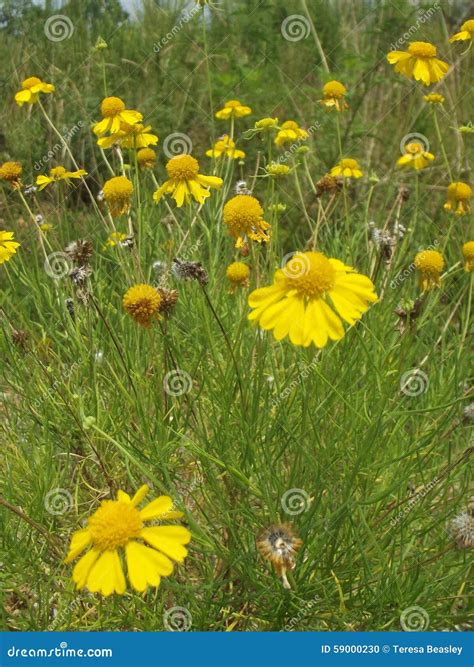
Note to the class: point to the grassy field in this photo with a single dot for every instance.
(363, 446)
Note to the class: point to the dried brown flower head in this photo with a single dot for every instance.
(80, 251)
(190, 271)
(327, 184)
(279, 544)
(20, 339)
(169, 297)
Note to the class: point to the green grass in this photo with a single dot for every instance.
(384, 472)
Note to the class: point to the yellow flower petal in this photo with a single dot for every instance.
(168, 539)
(106, 575)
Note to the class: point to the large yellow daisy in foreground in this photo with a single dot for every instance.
(119, 524)
(309, 297)
(419, 62)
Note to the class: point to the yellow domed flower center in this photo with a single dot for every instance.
(265, 123)
(238, 272)
(468, 25)
(422, 49)
(146, 156)
(111, 106)
(468, 250)
(310, 274)
(118, 187)
(430, 262)
(334, 89)
(414, 148)
(10, 171)
(348, 163)
(232, 104)
(114, 524)
(57, 172)
(243, 213)
(182, 168)
(459, 191)
(30, 82)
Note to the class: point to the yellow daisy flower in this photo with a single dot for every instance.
(238, 274)
(434, 98)
(8, 246)
(114, 114)
(419, 62)
(333, 96)
(233, 109)
(31, 88)
(11, 172)
(142, 302)
(467, 32)
(243, 216)
(118, 195)
(58, 174)
(289, 133)
(415, 156)
(185, 181)
(348, 168)
(308, 299)
(429, 264)
(130, 136)
(225, 146)
(468, 254)
(115, 238)
(459, 196)
(146, 158)
(119, 526)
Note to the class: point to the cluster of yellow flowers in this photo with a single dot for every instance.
(311, 298)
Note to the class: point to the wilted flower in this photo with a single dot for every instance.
(11, 172)
(238, 275)
(80, 251)
(468, 254)
(279, 545)
(184, 270)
